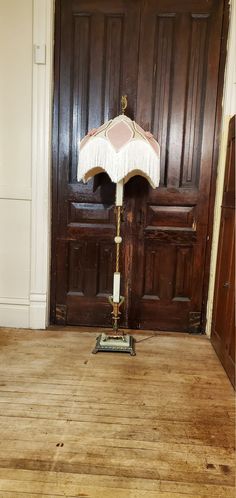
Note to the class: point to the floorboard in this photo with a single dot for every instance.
(74, 424)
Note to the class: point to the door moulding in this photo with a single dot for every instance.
(43, 33)
(216, 188)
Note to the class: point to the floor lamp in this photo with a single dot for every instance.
(122, 149)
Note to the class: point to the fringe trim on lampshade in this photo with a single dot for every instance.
(135, 158)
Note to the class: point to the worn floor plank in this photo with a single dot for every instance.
(73, 424)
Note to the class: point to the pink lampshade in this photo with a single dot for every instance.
(122, 149)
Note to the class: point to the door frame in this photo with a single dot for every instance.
(215, 161)
(52, 229)
(229, 100)
(41, 159)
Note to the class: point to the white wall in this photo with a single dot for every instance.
(229, 109)
(15, 159)
(25, 114)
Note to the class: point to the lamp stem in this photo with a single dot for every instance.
(116, 300)
(118, 218)
(118, 340)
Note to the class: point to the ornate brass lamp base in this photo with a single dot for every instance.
(115, 344)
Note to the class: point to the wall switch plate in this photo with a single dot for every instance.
(40, 54)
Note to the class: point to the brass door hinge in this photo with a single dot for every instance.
(61, 314)
(195, 325)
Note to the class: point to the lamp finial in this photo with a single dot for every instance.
(124, 103)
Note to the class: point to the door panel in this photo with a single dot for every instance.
(97, 62)
(223, 324)
(165, 56)
(223, 321)
(180, 53)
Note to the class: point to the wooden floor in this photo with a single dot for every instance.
(73, 424)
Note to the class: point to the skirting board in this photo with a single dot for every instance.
(37, 313)
(32, 316)
(13, 315)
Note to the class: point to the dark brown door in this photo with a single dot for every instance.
(178, 71)
(96, 62)
(223, 323)
(165, 55)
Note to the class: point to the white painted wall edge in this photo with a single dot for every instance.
(229, 109)
(43, 35)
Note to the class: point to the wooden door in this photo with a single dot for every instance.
(165, 55)
(223, 322)
(96, 62)
(178, 71)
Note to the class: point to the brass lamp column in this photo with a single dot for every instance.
(117, 341)
(116, 300)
